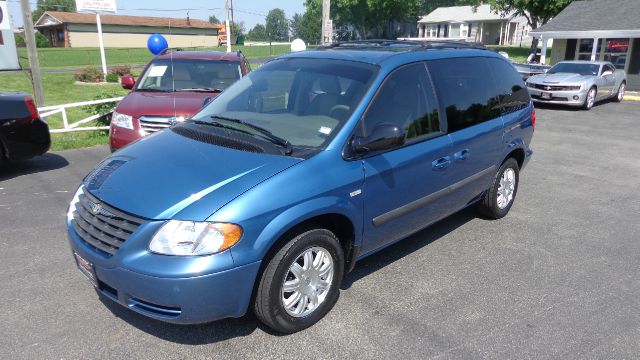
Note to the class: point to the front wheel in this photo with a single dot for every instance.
(620, 96)
(300, 283)
(590, 100)
(499, 198)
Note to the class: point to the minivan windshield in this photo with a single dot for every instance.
(167, 75)
(574, 68)
(301, 100)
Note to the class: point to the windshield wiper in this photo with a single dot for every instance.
(154, 90)
(264, 132)
(203, 89)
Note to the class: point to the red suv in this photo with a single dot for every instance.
(172, 87)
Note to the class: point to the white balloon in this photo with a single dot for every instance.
(298, 45)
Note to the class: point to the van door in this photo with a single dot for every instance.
(466, 92)
(402, 187)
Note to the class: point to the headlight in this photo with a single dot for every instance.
(186, 238)
(74, 203)
(122, 120)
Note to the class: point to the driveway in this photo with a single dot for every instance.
(558, 278)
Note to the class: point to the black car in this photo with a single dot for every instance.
(23, 134)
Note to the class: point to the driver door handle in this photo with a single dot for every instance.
(441, 163)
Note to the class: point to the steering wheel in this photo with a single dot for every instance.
(339, 111)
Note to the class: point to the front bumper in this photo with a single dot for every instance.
(569, 97)
(182, 299)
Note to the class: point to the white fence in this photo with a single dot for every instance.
(75, 126)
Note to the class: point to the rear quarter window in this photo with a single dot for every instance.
(466, 91)
(510, 87)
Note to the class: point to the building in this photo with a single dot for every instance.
(475, 24)
(64, 29)
(613, 26)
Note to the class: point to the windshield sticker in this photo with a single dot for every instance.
(325, 130)
(157, 71)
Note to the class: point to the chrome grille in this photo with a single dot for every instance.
(154, 124)
(101, 226)
(554, 87)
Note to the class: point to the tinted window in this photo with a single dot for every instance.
(465, 88)
(510, 88)
(406, 99)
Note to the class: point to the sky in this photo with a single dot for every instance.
(252, 12)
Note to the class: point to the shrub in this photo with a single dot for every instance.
(104, 109)
(42, 41)
(120, 70)
(20, 40)
(89, 74)
(112, 77)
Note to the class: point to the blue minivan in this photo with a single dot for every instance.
(269, 195)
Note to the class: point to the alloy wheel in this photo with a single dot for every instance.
(506, 189)
(621, 92)
(307, 282)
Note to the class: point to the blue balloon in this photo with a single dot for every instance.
(157, 43)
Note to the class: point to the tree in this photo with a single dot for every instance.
(258, 33)
(537, 12)
(376, 17)
(238, 28)
(52, 5)
(277, 26)
(214, 20)
(308, 26)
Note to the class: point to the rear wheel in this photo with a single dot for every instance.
(499, 198)
(300, 283)
(3, 159)
(590, 100)
(620, 96)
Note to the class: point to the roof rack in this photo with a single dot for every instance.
(167, 50)
(400, 44)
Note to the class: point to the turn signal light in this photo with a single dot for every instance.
(31, 106)
(533, 116)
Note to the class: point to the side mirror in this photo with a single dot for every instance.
(127, 82)
(383, 137)
(206, 101)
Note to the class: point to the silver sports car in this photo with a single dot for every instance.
(578, 83)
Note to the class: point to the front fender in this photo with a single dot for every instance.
(288, 219)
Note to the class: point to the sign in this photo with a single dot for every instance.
(96, 6)
(4, 16)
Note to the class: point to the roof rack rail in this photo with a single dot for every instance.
(401, 43)
(167, 50)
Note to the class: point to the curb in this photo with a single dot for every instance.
(632, 98)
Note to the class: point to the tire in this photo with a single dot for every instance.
(3, 159)
(270, 298)
(491, 205)
(590, 99)
(620, 94)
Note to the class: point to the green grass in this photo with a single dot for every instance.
(52, 58)
(518, 54)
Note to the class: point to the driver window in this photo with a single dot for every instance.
(405, 99)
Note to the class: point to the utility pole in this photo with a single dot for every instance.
(327, 24)
(30, 40)
(228, 29)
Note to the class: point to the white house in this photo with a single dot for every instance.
(475, 24)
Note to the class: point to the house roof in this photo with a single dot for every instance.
(593, 16)
(461, 13)
(58, 17)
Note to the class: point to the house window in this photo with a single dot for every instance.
(60, 35)
(585, 47)
(616, 50)
(455, 30)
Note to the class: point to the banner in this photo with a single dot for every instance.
(97, 6)
(8, 50)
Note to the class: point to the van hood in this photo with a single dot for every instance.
(140, 103)
(168, 176)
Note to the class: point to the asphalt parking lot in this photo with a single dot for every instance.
(558, 278)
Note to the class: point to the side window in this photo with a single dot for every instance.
(465, 88)
(406, 99)
(509, 86)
